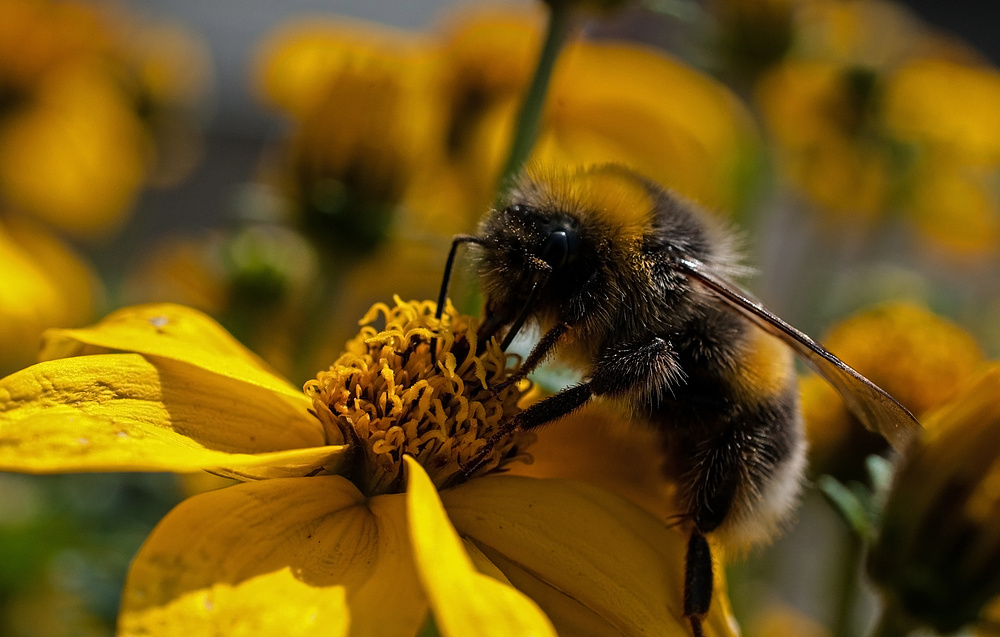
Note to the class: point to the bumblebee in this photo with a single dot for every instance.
(631, 283)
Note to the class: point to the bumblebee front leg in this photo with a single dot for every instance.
(538, 354)
(648, 364)
(541, 413)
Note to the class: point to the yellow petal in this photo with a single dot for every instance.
(591, 445)
(296, 556)
(171, 331)
(593, 561)
(464, 601)
(125, 412)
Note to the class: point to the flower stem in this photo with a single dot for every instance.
(847, 585)
(531, 110)
(894, 621)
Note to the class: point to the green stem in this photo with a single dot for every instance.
(847, 589)
(531, 110)
(317, 313)
(894, 621)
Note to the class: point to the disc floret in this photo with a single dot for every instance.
(389, 397)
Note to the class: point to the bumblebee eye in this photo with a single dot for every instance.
(555, 250)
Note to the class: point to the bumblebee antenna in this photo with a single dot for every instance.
(446, 280)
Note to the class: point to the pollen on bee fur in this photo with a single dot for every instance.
(388, 397)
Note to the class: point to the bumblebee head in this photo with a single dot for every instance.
(532, 262)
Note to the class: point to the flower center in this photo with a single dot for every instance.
(390, 398)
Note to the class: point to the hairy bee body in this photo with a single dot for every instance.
(631, 283)
(721, 391)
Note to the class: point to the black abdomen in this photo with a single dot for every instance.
(732, 429)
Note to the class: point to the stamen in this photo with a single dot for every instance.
(399, 400)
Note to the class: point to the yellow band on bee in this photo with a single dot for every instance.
(766, 368)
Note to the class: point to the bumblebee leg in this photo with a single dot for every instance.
(541, 413)
(650, 366)
(697, 581)
(553, 407)
(618, 371)
(538, 353)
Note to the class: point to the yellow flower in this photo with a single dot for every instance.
(948, 109)
(948, 104)
(338, 527)
(956, 205)
(488, 55)
(76, 156)
(606, 104)
(817, 113)
(74, 144)
(937, 557)
(45, 284)
(367, 123)
(872, 114)
(921, 359)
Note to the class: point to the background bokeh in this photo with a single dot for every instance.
(65, 541)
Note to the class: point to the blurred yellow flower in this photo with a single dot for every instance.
(605, 104)
(937, 557)
(873, 114)
(76, 156)
(489, 53)
(425, 108)
(947, 104)
(948, 109)
(45, 284)
(610, 102)
(918, 357)
(79, 116)
(816, 114)
(366, 123)
(328, 534)
(956, 205)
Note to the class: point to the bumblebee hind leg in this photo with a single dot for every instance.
(698, 578)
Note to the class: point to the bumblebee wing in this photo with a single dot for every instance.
(877, 410)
